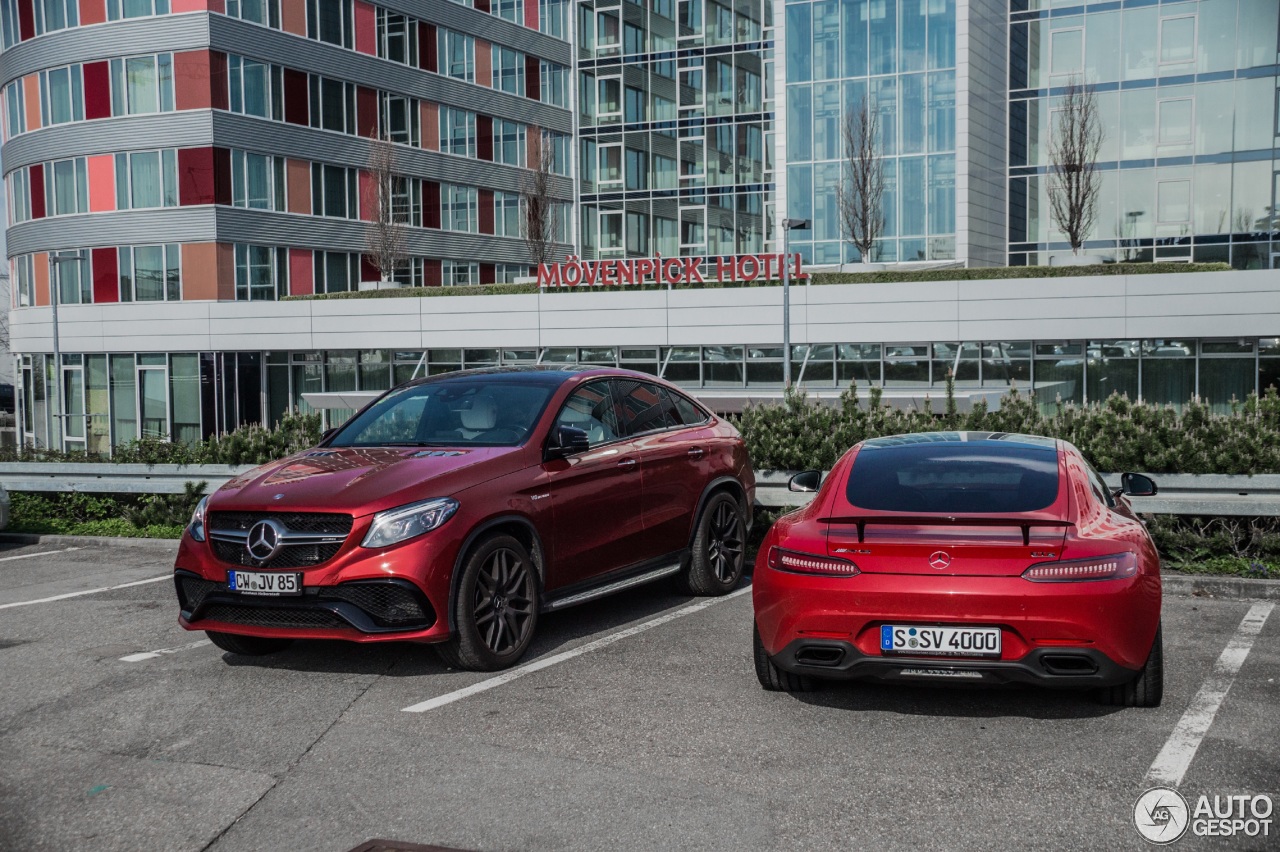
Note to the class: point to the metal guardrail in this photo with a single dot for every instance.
(114, 478)
(1180, 494)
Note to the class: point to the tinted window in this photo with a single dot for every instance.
(449, 414)
(690, 413)
(591, 408)
(646, 407)
(954, 477)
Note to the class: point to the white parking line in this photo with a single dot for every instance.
(87, 592)
(546, 662)
(1172, 762)
(151, 655)
(34, 555)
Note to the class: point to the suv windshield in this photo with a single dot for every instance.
(480, 413)
(954, 477)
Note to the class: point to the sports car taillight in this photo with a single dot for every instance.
(1113, 567)
(808, 563)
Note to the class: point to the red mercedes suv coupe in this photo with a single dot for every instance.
(456, 509)
(962, 557)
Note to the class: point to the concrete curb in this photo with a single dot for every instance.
(168, 545)
(1210, 585)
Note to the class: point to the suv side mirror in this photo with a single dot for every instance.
(805, 481)
(568, 441)
(1137, 485)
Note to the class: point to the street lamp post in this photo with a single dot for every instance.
(55, 285)
(788, 225)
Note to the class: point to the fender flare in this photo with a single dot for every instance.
(718, 484)
(539, 556)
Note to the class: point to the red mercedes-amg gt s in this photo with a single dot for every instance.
(455, 509)
(962, 557)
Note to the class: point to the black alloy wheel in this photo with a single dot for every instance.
(719, 547)
(497, 607)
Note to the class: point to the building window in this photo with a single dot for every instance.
(610, 171)
(72, 273)
(634, 105)
(19, 186)
(506, 214)
(257, 181)
(261, 272)
(507, 273)
(335, 191)
(509, 146)
(331, 21)
(406, 201)
(142, 84)
(457, 55)
(1174, 121)
(24, 280)
(458, 132)
(51, 15)
(10, 30)
(150, 273)
(458, 207)
(555, 84)
(66, 187)
(119, 9)
(264, 12)
(16, 109)
(397, 37)
(147, 179)
(256, 88)
(508, 70)
(399, 119)
(460, 273)
(559, 143)
(551, 17)
(410, 273)
(637, 170)
(609, 90)
(333, 104)
(337, 271)
(61, 95)
(510, 10)
(1178, 40)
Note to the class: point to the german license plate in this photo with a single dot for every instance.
(940, 641)
(257, 583)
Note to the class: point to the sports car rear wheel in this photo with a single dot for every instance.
(1145, 690)
(496, 610)
(773, 678)
(247, 646)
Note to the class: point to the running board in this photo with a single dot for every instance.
(616, 586)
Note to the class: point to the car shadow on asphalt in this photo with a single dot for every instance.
(966, 702)
(412, 659)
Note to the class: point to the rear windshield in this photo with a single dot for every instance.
(954, 477)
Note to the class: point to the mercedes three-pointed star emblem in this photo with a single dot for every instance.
(265, 538)
(940, 559)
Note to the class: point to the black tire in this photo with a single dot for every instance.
(496, 611)
(1145, 690)
(773, 678)
(247, 646)
(719, 548)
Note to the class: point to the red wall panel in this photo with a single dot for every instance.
(432, 272)
(106, 276)
(488, 273)
(484, 137)
(301, 272)
(368, 272)
(221, 176)
(92, 12)
(196, 183)
(192, 73)
(26, 19)
(366, 29)
(218, 97)
(486, 211)
(97, 90)
(532, 78)
(427, 46)
(296, 104)
(366, 112)
(430, 204)
(36, 177)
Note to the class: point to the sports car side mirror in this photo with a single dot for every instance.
(1137, 485)
(805, 481)
(568, 441)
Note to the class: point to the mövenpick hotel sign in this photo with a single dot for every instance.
(666, 271)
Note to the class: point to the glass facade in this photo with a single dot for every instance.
(675, 116)
(900, 59)
(1187, 94)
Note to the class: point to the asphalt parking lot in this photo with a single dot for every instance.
(640, 725)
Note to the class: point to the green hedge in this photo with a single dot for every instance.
(887, 276)
(1115, 435)
(124, 516)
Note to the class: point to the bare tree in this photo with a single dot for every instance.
(386, 236)
(862, 185)
(1074, 145)
(539, 219)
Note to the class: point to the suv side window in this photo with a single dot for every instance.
(691, 414)
(646, 407)
(591, 408)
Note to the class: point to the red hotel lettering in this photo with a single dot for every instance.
(572, 269)
(743, 274)
(576, 272)
(692, 272)
(796, 271)
(724, 265)
(608, 272)
(667, 276)
(548, 275)
(644, 268)
(626, 272)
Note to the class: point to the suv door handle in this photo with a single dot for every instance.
(627, 464)
(696, 453)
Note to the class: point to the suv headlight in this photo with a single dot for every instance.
(196, 525)
(405, 522)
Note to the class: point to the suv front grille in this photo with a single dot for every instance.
(290, 556)
(301, 522)
(273, 616)
(308, 538)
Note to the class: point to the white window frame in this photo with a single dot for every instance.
(1195, 32)
(1191, 124)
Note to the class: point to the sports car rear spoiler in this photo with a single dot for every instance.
(947, 520)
